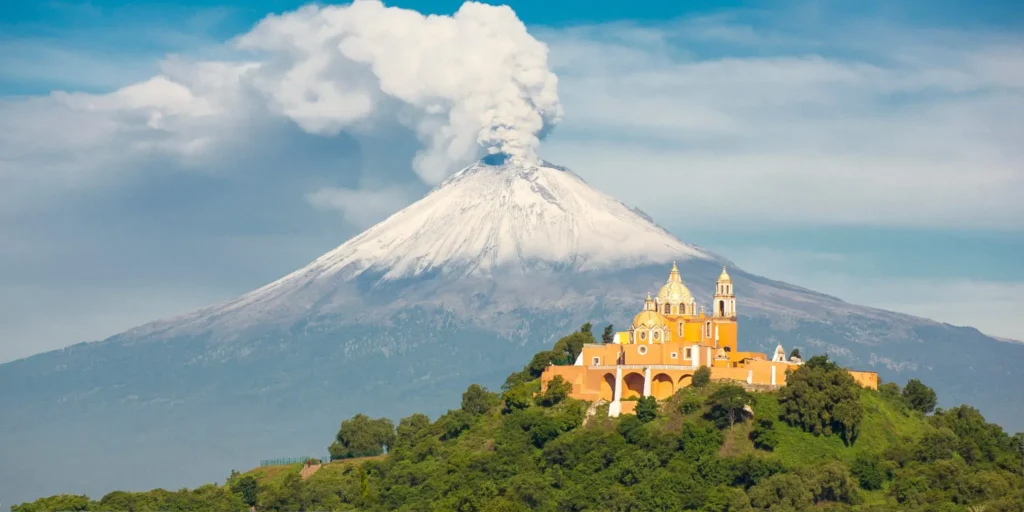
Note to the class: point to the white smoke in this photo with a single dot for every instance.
(473, 80)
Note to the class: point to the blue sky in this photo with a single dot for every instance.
(871, 153)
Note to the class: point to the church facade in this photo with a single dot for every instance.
(669, 339)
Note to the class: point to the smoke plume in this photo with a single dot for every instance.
(472, 80)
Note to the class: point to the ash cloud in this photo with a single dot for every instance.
(474, 80)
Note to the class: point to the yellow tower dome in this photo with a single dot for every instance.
(674, 291)
(724, 277)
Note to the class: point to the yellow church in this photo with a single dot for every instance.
(668, 341)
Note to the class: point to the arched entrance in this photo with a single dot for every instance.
(633, 385)
(662, 386)
(685, 380)
(608, 387)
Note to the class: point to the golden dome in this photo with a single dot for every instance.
(648, 319)
(674, 291)
(724, 277)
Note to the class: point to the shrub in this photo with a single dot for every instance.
(869, 472)
(701, 377)
(764, 436)
(647, 409)
(558, 390)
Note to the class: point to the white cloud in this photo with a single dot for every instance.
(464, 84)
(812, 132)
(362, 207)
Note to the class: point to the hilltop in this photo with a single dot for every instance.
(527, 449)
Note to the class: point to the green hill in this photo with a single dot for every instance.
(816, 444)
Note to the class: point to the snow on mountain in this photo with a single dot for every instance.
(514, 214)
(494, 217)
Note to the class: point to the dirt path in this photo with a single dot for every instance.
(307, 471)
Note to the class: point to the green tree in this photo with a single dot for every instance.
(764, 435)
(362, 437)
(822, 398)
(647, 409)
(248, 488)
(919, 397)
(477, 400)
(795, 353)
(701, 377)
(558, 389)
(726, 405)
(869, 471)
(781, 492)
(609, 334)
(517, 398)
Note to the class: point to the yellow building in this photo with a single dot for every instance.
(667, 342)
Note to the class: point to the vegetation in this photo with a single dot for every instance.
(699, 450)
(701, 377)
(822, 398)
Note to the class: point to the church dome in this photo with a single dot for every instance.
(724, 277)
(674, 291)
(648, 319)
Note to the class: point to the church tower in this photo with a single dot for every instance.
(724, 304)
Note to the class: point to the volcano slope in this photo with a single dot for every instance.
(457, 288)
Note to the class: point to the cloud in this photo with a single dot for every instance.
(362, 207)
(904, 127)
(463, 84)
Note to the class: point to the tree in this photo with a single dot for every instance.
(781, 492)
(517, 398)
(727, 405)
(609, 334)
(821, 397)
(362, 437)
(248, 488)
(701, 377)
(764, 436)
(919, 397)
(795, 353)
(647, 409)
(558, 390)
(477, 400)
(587, 328)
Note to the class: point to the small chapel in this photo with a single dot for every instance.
(669, 339)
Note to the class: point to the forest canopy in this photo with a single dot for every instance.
(821, 442)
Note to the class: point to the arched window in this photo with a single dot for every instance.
(643, 335)
(655, 335)
(721, 308)
(681, 323)
(707, 329)
(668, 309)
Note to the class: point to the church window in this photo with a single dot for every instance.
(674, 355)
(681, 329)
(668, 309)
(707, 329)
(643, 335)
(596, 361)
(688, 354)
(655, 335)
(721, 308)
(642, 350)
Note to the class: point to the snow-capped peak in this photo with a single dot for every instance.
(513, 215)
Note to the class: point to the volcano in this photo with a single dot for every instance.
(462, 286)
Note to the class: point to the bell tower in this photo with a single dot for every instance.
(724, 305)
